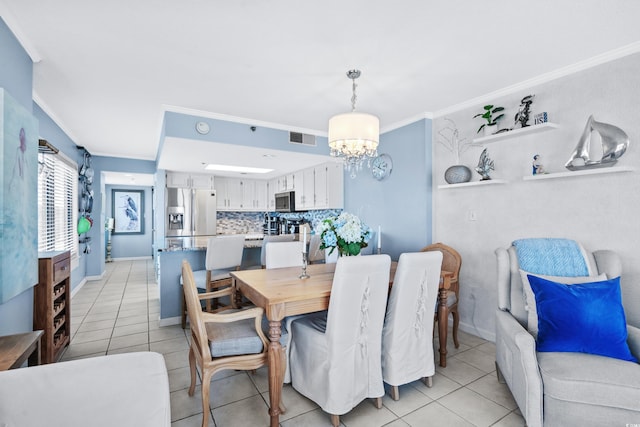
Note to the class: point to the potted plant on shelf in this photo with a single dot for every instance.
(491, 127)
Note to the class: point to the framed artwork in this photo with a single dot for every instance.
(19, 132)
(128, 211)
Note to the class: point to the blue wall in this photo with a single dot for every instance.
(16, 76)
(183, 126)
(131, 245)
(400, 204)
(102, 209)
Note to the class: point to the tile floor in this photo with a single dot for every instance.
(120, 314)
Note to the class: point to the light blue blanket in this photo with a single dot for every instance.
(553, 257)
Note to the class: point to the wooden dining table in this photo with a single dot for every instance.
(281, 293)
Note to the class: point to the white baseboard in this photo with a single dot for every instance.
(170, 321)
(134, 258)
(77, 288)
(479, 332)
(92, 278)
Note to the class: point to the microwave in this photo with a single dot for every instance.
(285, 202)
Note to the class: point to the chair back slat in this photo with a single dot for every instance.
(194, 310)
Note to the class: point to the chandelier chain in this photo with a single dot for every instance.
(353, 96)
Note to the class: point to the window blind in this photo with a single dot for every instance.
(57, 204)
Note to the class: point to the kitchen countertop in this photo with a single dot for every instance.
(252, 240)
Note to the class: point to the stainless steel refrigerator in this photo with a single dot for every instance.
(190, 214)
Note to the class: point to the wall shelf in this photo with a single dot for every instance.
(472, 184)
(569, 174)
(515, 133)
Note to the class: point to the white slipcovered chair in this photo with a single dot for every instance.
(280, 255)
(283, 254)
(407, 336)
(562, 388)
(336, 355)
(224, 255)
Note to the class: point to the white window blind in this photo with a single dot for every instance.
(57, 204)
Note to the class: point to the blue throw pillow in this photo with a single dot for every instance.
(583, 318)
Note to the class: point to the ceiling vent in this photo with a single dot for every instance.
(302, 138)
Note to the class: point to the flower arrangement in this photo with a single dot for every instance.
(345, 232)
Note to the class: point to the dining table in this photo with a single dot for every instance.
(282, 292)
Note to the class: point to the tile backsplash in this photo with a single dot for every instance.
(252, 222)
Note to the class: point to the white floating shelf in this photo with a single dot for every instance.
(569, 174)
(472, 184)
(515, 133)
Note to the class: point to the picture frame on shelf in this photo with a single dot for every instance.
(128, 211)
(540, 118)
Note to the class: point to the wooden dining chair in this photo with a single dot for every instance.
(407, 337)
(336, 355)
(231, 339)
(283, 254)
(224, 255)
(451, 261)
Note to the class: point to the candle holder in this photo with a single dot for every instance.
(304, 274)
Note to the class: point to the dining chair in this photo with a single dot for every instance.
(407, 337)
(451, 261)
(263, 251)
(231, 339)
(224, 255)
(316, 255)
(283, 254)
(336, 355)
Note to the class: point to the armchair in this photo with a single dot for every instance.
(563, 388)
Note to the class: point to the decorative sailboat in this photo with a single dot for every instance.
(614, 144)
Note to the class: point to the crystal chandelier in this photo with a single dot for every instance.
(354, 136)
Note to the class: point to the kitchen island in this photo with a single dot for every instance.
(169, 269)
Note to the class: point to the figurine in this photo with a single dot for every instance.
(614, 142)
(537, 165)
(522, 116)
(485, 164)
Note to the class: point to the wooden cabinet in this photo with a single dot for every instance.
(52, 303)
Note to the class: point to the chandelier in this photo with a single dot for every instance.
(354, 136)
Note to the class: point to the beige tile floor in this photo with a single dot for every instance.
(120, 314)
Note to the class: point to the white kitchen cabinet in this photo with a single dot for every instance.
(187, 180)
(203, 181)
(229, 194)
(234, 194)
(298, 179)
(335, 185)
(308, 188)
(320, 188)
(272, 189)
(261, 200)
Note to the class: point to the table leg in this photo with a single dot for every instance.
(276, 371)
(442, 325)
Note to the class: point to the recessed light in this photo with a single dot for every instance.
(268, 155)
(241, 169)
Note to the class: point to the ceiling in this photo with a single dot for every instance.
(106, 71)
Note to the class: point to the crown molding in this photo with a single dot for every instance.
(49, 112)
(407, 121)
(603, 58)
(243, 120)
(15, 28)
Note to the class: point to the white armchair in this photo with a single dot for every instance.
(564, 388)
